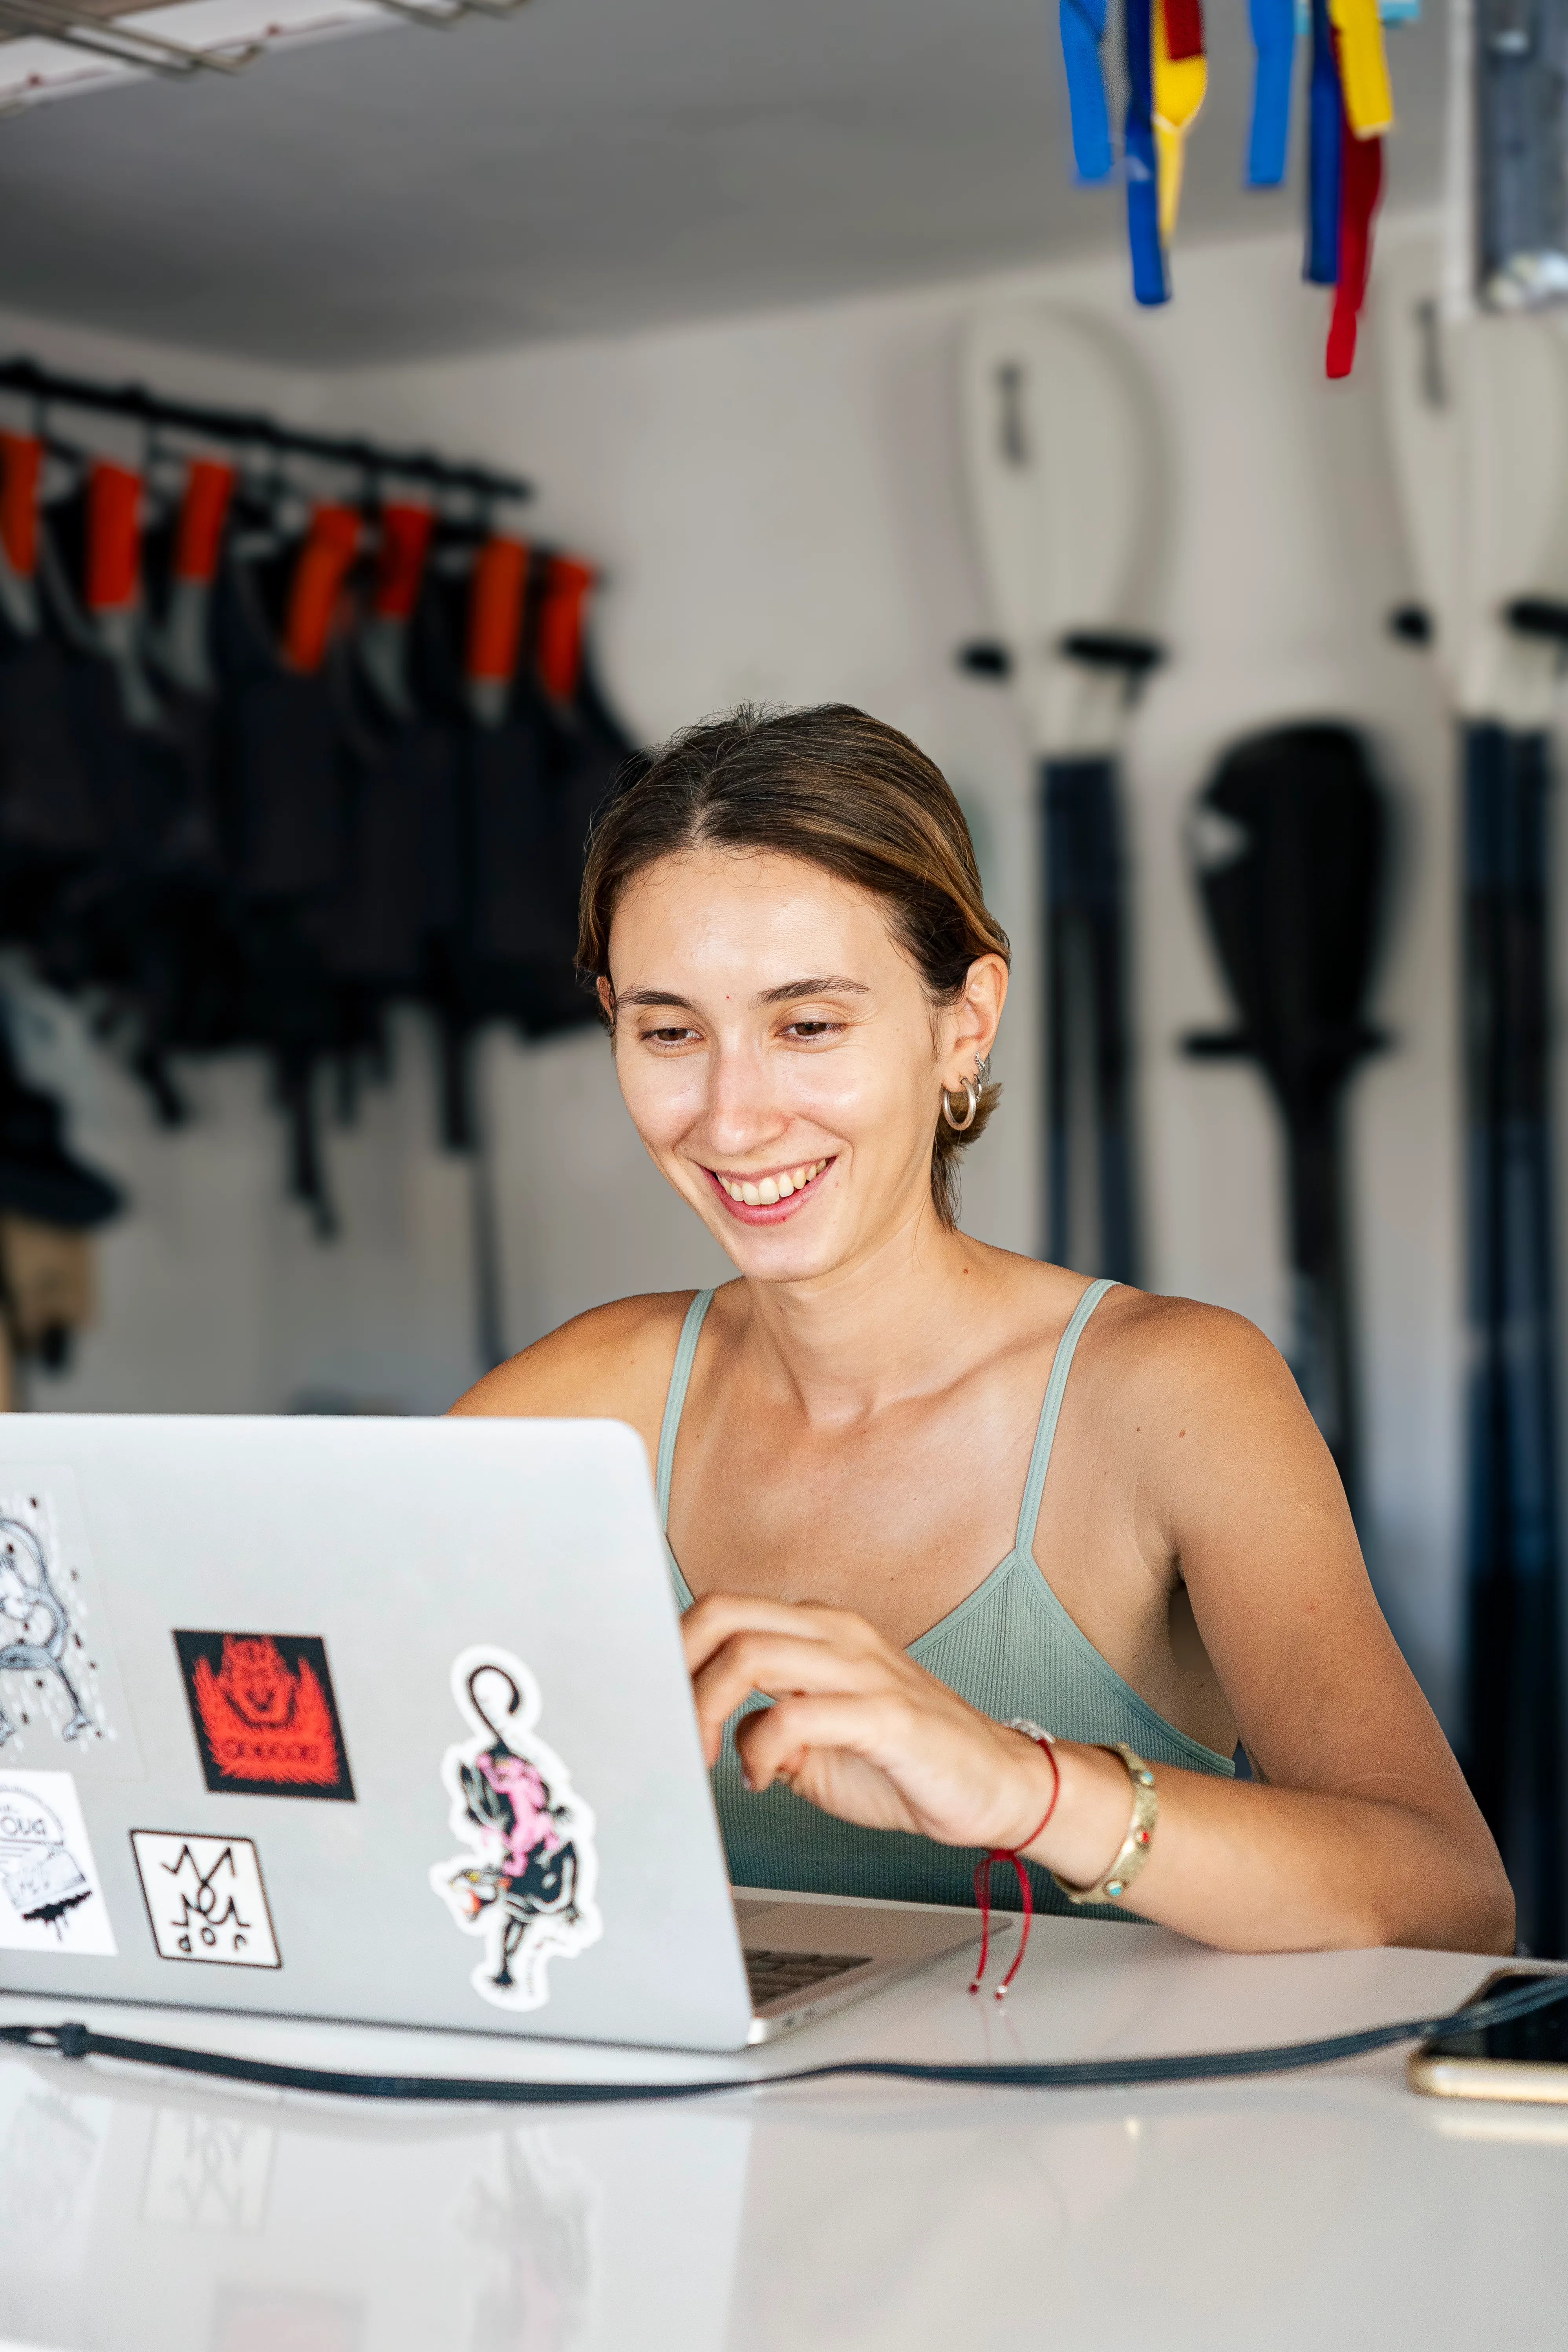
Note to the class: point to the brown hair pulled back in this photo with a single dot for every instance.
(839, 790)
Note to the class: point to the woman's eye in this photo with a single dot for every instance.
(811, 1028)
(669, 1036)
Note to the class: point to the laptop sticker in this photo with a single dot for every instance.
(526, 1883)
(204, 1898)
(61, 1701)
(51, 1899)
(264, 1715)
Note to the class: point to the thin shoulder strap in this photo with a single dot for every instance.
(680, 1374)
(1055, 1389)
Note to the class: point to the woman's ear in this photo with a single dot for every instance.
(977, 1017)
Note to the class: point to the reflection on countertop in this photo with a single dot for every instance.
(151, 2214)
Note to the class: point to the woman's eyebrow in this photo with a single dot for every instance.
(791, 988)
(820, 986)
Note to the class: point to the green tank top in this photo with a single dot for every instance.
(1010, 1649)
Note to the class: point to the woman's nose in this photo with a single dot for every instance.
(741, 1110)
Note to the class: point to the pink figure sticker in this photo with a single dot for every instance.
(526, 1883)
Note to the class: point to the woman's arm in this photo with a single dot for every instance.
(1365, 1832)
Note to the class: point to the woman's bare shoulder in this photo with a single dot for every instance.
(1205, 1414)
(1181, 1366)
(1142, 1340)
(613, 1361)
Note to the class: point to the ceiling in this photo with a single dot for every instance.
(592, 165)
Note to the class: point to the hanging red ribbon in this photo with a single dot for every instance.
(1361, 184)
(1183, 29)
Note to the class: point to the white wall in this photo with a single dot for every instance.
(778, 505)
(776, 502)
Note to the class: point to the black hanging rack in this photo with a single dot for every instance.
(241, 427)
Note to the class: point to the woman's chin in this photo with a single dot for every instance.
(779, 1252)
(778, 1248)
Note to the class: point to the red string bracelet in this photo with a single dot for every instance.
(1010, 1853)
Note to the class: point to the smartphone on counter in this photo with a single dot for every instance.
(1524, 2058)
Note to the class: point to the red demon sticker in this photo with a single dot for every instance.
(264, 1715)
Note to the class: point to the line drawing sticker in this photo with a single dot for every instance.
(51, 1899)
(265, 1715)
(206, 1899)
(526, 1883)
(59, 1684)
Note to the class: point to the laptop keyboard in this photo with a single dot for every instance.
(775, 1976)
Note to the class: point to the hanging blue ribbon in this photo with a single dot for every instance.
(1274, 37)
(1324, 132)
(1083, 30)
(1149, 283)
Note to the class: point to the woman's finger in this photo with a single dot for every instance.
(718, 1617)
(880, 1727)
(773, 1664)
(887, 1759)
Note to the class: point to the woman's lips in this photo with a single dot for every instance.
(801, 1179)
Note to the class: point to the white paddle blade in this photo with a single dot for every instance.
(1065, 484)
(1477, 418)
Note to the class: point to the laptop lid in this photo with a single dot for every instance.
(380, 1720)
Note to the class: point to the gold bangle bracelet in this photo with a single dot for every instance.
(1134, 1848)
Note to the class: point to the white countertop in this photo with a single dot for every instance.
(1330, 2211)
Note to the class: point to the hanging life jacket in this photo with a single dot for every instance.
(48, 824)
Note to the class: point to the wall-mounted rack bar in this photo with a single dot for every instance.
(241, 429)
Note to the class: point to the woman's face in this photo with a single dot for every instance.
(779, 1056)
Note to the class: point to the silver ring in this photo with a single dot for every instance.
(972, 1092)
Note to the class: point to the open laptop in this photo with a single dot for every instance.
(378, 1720)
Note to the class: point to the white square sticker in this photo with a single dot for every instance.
(206, 1899)
(51, 1899)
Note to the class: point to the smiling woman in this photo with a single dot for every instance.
(897, 834)
(785, 922)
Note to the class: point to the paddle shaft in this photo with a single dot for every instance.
(1091, 1219)
(1320, 1263)
(1513, 1696)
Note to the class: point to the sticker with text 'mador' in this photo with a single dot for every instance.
(264, 1715)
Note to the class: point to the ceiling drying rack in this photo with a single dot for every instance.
(97, 27)
(81, 29)
(242, 429)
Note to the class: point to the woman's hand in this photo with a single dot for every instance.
(858, 1728)
(862, 1730)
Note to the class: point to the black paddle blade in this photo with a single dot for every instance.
(1289, 844)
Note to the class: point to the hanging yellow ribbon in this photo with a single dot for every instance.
(1363, 67)
(1180, 86)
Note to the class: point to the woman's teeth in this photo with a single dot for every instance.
(773, 1188)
